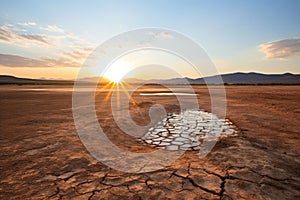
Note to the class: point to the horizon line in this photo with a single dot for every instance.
(186, 77)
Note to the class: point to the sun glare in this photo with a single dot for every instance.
(116, 72)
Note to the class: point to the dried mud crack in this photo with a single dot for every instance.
(187, 130)
(42, 156)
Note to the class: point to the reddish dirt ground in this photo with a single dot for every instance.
(42, 156)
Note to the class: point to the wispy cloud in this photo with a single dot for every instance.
(15, 28)
(50, 35)
(281, 49)
(8, 36)
(162, 35)
(20, 61)
(27, 23)
(53, 28)
(79, 54)
(56, 47)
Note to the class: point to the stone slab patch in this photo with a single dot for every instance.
(187, 130)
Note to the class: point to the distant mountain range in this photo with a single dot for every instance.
(6, 79)
(237, 78)
(233, 78)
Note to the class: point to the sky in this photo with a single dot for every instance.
(51, 39)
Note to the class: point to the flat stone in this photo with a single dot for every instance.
(158, 139)
(176, 132)
(177, 143)
(186, 136)
(185, 145)
(172, 147)
(175, 135)
(164, 134)
(185, 148)
(197, 148)
(148, 141)
(184, 130)
(153, 136)
(195, 144)
(179, 139)
(160, 130)
(187, 142)
(164, 144)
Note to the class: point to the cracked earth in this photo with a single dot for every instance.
(43, 158)
(187, 130)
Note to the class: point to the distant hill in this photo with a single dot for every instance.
(5, 79)
(236, 78)
(252, 78)
(233, 78)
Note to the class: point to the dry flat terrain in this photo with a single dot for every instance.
(41, 156)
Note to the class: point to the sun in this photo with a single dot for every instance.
(116, 72)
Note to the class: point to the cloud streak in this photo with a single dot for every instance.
(162, 35)
(8, 36)
(281, 49)
(27, 24)
(56, 47)
(51, 45)
(20, 61)
(79, 54)
(53, 28)
(48, 36)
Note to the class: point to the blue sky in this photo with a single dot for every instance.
(256, 35)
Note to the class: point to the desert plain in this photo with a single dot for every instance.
(42, 157)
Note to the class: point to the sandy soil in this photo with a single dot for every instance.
(41, 156)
